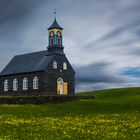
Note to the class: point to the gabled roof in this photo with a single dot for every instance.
(55, 25)
(31, 62)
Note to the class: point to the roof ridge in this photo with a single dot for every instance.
(31, 53)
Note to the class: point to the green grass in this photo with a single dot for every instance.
(113, 114)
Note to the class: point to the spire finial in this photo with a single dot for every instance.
(55, 13)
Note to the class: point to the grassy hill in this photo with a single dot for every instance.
(113, 114)
(116, 100)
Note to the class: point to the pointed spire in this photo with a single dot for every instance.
(54, 13)
(55, 24)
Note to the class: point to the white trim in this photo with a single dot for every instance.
(25, 84)
(15, 85)
(6, 86)
(35, 83)
(65, 66)
(54, 65)
(60, 80)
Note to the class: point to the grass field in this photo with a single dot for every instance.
(114, 114)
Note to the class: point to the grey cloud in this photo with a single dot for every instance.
(15, 10)
(118, 31)
(98, 76)
(97, 73)
(135, 52)
(138, 32)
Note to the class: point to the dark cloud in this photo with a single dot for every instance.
(97, 73)
(134, 52)
(98, 76)
(16, 10)
(112, 34)
(118, 31)
(138, 33)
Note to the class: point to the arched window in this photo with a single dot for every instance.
(60, 86)
(58, 33)
(25, 84)
(64, 65)
(15, 85)
(52, 33)
(6, 87)
(52, 41)
(54, 64)
(58, 40)
(35, 83)
(51, 38)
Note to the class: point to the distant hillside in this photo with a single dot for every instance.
(113, 93)
(115, 100)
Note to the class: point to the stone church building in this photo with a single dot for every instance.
(45, 72)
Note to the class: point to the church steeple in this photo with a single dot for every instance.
(55, 37)
(55, 25)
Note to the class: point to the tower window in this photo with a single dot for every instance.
(58, 33)
(35, 83)
(51, 33)
(25, 84)
(6, 87)
(54, 64)
(51, 41)
(65, 66)
(15, 85)
(58, 41)
(51, 38)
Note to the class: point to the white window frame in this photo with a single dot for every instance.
(15, 85)
(6, 86)
(25, 84)
(64, 66)
(35, 83)
(54, 65)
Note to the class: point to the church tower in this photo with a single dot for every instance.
(63, 75)
(55, 38)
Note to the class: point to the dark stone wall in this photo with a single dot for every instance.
(47, 80)
(51, 76)
(20, 90)
(41, 99)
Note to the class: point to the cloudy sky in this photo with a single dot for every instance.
(101, 37)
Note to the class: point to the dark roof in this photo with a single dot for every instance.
(31, 62)
(55, 25)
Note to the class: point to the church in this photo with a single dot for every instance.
(46, 72)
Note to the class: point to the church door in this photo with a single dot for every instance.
(65, 88)
(60, 86)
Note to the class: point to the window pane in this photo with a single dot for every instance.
(54, 64)
(6, 85)
(35, 83)
(64, 66)
(15, 84)
(25, 84)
